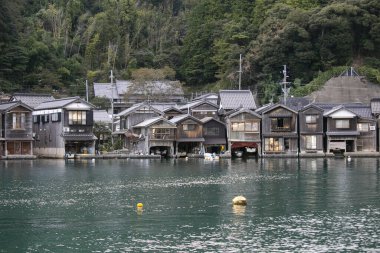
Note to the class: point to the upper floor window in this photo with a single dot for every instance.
(77, 117)
(280, 124)
(311, 119)
(212, 131)
(55, 117)
(18, 120)
(342, 123)
(245, 126)
(363, 127)
(188, 127)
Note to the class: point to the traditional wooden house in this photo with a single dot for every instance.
(189, 135)
(311, 133)
(279, 131)
(235, 99)
(243, 132)
(130, 118)
(350, 128)
(157, 135)
(201, 109)
(16, 135)
(64, 127)
(214, 133)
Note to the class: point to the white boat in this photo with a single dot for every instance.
(238, 153)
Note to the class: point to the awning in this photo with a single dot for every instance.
(244, 144)
(215, 141)
(79, 137)
(191, 140)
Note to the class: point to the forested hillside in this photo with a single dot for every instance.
(54, 45)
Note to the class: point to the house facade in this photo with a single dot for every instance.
(63, 126)
(311, 130)
(189, 135)
(201, 109)
(157, 136)
(243, 132)
(16, 135)
(215, 135)
(279, 131)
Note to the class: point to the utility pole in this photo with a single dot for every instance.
(86, 91)
(284, 83)
(112, 115)
(240, 71)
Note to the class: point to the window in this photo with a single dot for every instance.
(55, 117)
(273, 144)
(342, 123)
(311, 142)
(280, 124)
(77, 117)
(311, 119)
(188, 127)
(45, 118)
(18, 120)
(363, 127)
(245, 126)
(161, 133)
(36, 119)
(211, 131)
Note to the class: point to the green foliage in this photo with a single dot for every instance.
(51, 45)
(101, 102)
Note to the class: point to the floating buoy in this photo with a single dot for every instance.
(140, 205)
(239, 200)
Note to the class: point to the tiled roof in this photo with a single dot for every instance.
(31, 99)
(176, 119)
(362, 110)
(208, 119)
(136, 107)
(10, 105)
(105, 90)
(375, 105)
(232, 99)
(196, 103)
(102, 116)
(295, 103)
(151, 121)
(58, 103)
(242, 110)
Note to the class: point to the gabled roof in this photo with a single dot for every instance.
(244, 110)
(340, 108)
(311, 106)
(31, 99)
(173, 108)
(10, 105)
(263, 107)
(233, 99)
(207, 96)
(197, 103)
(295, 103)
(275, 106)
(137, 107)
(162, 106)
(180, 118)
(153, 121)
(208, 119)
(59, 103)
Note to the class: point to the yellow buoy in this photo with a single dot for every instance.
(140, 205)
(239, 200)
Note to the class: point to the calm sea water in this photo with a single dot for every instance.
(309, 205)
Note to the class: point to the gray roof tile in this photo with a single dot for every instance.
(31, 99)
(233, 99)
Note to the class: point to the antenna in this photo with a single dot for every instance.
(240, 71)
(284, 83)
(86, 91)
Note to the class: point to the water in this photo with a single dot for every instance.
(309, 205)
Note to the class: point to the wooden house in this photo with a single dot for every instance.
(279, 131)
(16, 135)
(201, 109)
(157, 135)
(311, 133)
(189, 135)
(243, 132)
(63, 127)
(350, 128)
(214, 133)
(130, 118)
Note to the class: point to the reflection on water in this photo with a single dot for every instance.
(293, 205)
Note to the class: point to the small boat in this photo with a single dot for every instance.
(69, 156)
(250, 150)
(211, 157)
